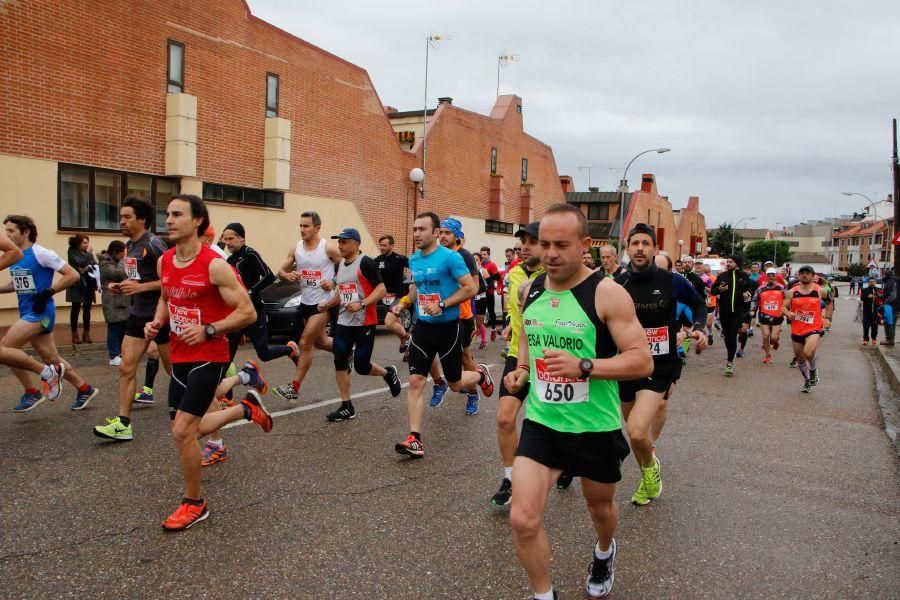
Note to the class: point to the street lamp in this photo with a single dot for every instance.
(875, 214)
(775, 257)
(623, 189)
(735, 227)
(680, 252)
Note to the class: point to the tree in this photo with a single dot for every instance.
(857, 270)
(720, 241)
(763, 250)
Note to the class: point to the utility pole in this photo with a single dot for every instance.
(896, 171)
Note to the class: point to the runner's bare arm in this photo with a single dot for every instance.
(518, 377)
(829, 304)
(287, 271)
(161, 315)
(69, 278)
(615, 309)
(234, 294)
(786, 307)
(332, 250)
(11, 253)
(376, 295)
(406, 301)
(130, 287)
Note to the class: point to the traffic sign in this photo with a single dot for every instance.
(872, 264)
(896, 239)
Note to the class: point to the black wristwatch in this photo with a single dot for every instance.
(441, 305)
(586, 365)
(210, 330)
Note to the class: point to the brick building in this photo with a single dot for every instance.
(210, 100)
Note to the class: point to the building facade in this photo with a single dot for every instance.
(211, 100)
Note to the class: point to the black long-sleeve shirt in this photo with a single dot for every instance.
(254, 272)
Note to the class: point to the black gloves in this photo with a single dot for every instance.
(39, 301)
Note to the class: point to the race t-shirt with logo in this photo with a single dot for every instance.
(315, 267)
(568, 321)
(33, 274)
(140, 260)
(807, 309)
(192, 299)
(390, 268)
(435, 276)
(769, 300)
(355, 282)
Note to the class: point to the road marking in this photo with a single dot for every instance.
(321, 403)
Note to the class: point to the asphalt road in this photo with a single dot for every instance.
(767, 493)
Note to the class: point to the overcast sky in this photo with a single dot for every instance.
(771, 109)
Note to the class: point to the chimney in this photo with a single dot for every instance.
(445, 100)
(593, 190)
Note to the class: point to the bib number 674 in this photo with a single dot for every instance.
(559, 392)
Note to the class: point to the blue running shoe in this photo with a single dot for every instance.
(28, 402)
(257, 381)
(438, 397)
(472, 404)
(145, 396)
(82, 398)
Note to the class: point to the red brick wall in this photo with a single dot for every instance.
(459, 162)
(647, 206)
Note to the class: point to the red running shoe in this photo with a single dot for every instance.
(212, 454)
(295, 351)
(487, 386)
(186, 516)
(411, 446)
(258, 412)
(767, 359)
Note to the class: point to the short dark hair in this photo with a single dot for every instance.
(387, 237)
(435, 220)
(115, 247)
(143, 210)
(562, 208)
(198, 209)
(510, 250)
(76, 240)
(641, 228)
(23, 223)
(311, 214)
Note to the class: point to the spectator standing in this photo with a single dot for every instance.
(869, 297)
(81, 295)
(116, 307)
(891, 305)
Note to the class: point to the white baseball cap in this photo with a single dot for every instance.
(771, 271)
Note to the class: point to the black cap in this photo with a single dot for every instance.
(642, 228)
(237, 228)
(531, 230)
(806, 268)
(738, 260)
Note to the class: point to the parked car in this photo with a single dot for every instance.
(281, 301)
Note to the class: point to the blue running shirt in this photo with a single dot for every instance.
(435, 277)
(33, 274)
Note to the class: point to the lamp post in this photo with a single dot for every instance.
(680, 251)
(623, 189)
(735, 227)
(875, 214)
(775, 257)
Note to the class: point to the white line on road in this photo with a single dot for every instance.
(321, 403)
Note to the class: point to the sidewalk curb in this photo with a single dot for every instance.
(893, 376)
(889, 398)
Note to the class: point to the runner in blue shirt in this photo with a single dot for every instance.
(441, 282)
(32, 280)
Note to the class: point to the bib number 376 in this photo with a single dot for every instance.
(559, 390)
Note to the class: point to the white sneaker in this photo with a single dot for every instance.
(115, 362)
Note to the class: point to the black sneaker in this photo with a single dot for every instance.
(564, 481)
(393, 380)
(344, 413)
(814, 377)
(806, 386)
(793, 362)
(504, 494)
(601, 575)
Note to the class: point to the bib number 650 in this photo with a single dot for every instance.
(559, 392)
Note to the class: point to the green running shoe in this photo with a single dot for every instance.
(806, 386)
(814, 377)
(729, 369)
(115, 430)
(651, 485)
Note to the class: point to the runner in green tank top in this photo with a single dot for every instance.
(580, 336)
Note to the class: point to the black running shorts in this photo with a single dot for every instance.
(765, 319)
(509, 367)
(193, 386)
(801, 339)
(597, 456)
(443, 340)
(360, 340)
(468, 328)
(665, 373)
(134, 327)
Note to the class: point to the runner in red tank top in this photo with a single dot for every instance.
(803, 306)
(201, 301)
(767, 304)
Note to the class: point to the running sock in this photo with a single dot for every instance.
(507, 473)
(812, 363)
(192, 502)
(247, 414)
(296, 385)
(218, 443)
(804, 368)
(150, 373)
(347, 404)
(742, 338)
(47, 372)
(482, 331)
(416, 435)
(84, 387)
(244, 377)
(544, 595)
(440, 381)
(602, 554)
(125, 420)
(31, 391)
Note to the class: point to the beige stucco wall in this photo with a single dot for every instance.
(476, 238)
(29, 187)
